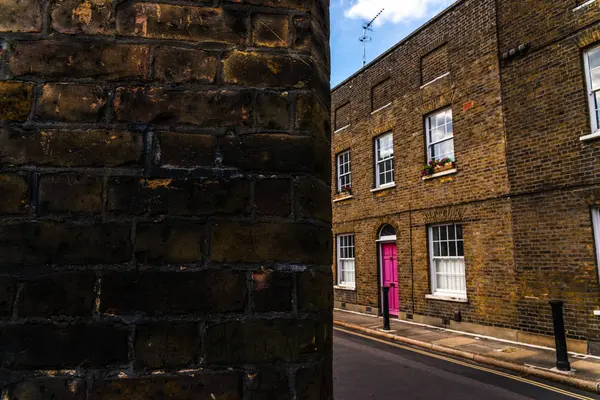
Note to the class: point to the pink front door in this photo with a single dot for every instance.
(389, 263)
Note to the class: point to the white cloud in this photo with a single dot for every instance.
(396, 11)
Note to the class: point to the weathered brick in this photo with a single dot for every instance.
(48, 388)
(14, 194)
(267, 70)
(45, 345)
(270, 30)
(164, 106)
(8, 290)
(264, 341)
(312, 116)
(275, 152)
(303, 32)
(183, 150)
(274, 111)
(16, 99)
(65, 294)
(198, 24)
(70, 194)
(204, 385)
(170, 242)
(259, 242)
(70, 102)
(272, 291)
(162, 346)
(185, 65)
(314, 383)
(81, 59)
(158, 293)
(70, 147)
(178, 196)
(268, 385)
(61, 243)
(273, 197)
(21, 16)
(315, 291)
(93, 17)
(294, 4)
(310, 201)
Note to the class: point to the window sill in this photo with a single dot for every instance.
(343, 199)
(446, 298)
(591, 136)
(439, 174)
(383, 187)
(343, 128)
(381, 108)
(435, 80)
(584, 5)
(348, 288)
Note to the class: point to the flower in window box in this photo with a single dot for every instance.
(435, 166)
(346, 189)
(443, 165)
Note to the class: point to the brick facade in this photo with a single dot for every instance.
(524, 181)
(164, 200)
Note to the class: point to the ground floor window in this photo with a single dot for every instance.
(345, 261)
(447, 260)
(596, 224)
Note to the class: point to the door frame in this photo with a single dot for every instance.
(380, 243)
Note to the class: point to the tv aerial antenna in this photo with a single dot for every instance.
(366, 39)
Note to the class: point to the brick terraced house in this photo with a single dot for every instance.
(501, 99)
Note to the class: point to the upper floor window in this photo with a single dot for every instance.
(592, 74)
(344, 174)
(447, 261)
(440, 135)
(345, 261)
(384, 160)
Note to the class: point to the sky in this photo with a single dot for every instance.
(399, 19)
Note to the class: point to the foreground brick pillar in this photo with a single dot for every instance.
(164, 200)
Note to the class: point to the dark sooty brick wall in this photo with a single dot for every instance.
(164, 200)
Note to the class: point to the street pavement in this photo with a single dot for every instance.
(368, 369)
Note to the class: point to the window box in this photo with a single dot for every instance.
(343, 194)
(437, 167)
(440, 174)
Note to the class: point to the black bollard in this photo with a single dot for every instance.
(562, 357)
(386, 309)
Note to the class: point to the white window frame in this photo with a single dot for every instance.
(596, 228)
(458, 294)
(379, 163)
(343, 259)
(592, 106)
(430, 143)
(342, 161)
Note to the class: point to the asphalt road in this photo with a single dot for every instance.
(367, 369)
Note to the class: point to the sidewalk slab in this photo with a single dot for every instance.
(518, 357)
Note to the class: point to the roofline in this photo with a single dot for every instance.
(394, 47)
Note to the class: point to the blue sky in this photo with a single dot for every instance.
(400, 18)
